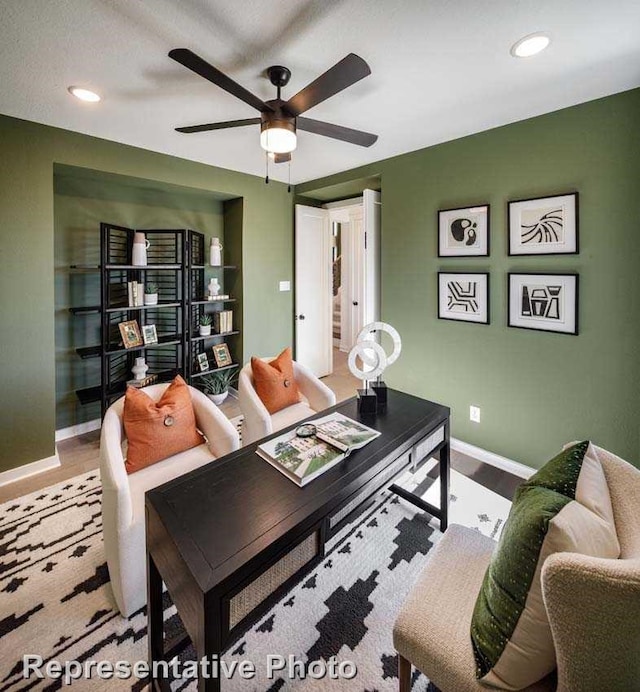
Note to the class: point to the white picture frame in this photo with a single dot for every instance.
(543, 302)
(543, 226)
(149, 334)
(464, 297)
(203, 362)
(464, 232)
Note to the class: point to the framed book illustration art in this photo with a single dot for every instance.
(463, 297)
(203, 362)
(544, 225)
(464, 232)
(544, 302)
(221, 355)
(130, 332)
(149, 334)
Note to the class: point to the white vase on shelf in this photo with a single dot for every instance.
(139, 252)
(215, 252)
(139, 370)
(214, 289)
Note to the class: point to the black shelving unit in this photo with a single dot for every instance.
(176, 263)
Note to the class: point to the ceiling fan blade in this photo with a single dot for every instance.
(346, 134)
(196, 64)
(343, 74)
(218, 126)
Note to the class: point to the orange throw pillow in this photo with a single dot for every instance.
(274, 381)
(157, 430)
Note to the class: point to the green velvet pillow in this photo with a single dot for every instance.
(564, 507)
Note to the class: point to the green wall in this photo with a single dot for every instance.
(81, 203)
(27, 308)
(536, 390)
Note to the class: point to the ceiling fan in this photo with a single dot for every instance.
(280, 119)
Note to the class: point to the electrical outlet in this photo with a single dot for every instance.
(474, 414)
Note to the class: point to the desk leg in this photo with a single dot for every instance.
(209, 644)
(155, 618)
(444, 482)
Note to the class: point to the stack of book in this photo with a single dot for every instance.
(135, 293)
(223, 321)
(144, 382)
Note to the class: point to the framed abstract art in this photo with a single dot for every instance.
(463, 297)
(544, 302)
(464, 232)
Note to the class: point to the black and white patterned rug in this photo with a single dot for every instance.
(56, 601)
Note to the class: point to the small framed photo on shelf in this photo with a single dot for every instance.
(221, 355)
(463, 297)
(149, 334)
(203, 362)
(464, 232)
(130, 332)
(544, 226)
(544, 302)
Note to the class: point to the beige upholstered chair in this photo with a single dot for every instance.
(593, 606)
(258, 422)
(123, 518)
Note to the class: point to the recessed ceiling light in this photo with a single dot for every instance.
(530, 45)
(84, 94)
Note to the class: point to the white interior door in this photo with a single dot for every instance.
(372, 226)
(313, 289)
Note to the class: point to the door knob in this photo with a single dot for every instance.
(301, 317)
(355, 302)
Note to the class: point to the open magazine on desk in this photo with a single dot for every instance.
(327, 442)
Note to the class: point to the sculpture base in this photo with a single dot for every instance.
(380, 389)
(367, 402)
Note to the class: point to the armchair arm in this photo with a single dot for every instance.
(257, 420)
(115, 484)
(593, 606)
(222, 437)
(317, 393)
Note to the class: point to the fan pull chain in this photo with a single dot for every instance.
(289, 182)
(266, 155)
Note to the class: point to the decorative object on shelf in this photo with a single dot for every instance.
(130, 332)
(135, 294)
(139, 370)
(214, 289)
(149, 334)
(216, 385)
(221, 355)
(544, 302)
(375, 361)
(151, 294)
(463, 297)
(464, 232)
(215, 253)
(223, 321)
(139, 252)
(203, 362)
(544, 225)
(205, 325)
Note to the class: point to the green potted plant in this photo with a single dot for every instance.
(205, 325)
(216, 385)
(151, 294)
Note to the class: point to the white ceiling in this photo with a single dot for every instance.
(441, 69)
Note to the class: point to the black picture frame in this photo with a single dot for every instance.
(575, 304)
(576, 251)
(486, 321)
(439, 238)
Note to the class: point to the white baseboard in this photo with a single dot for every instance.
(509, 465)
(80, 429)
(233, 392)
(31, 469)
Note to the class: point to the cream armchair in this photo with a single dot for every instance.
(258, 422)
(123, 514)
(593, 606)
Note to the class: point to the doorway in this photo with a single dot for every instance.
(337, 286)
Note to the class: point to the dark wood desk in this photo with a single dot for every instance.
(230, 538)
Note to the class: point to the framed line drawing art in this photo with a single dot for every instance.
(544, 302)
(130, 332)
(463, 297)
(464, 232)
(544, 225)
(221, 355)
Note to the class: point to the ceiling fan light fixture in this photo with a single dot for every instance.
(278, 136)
